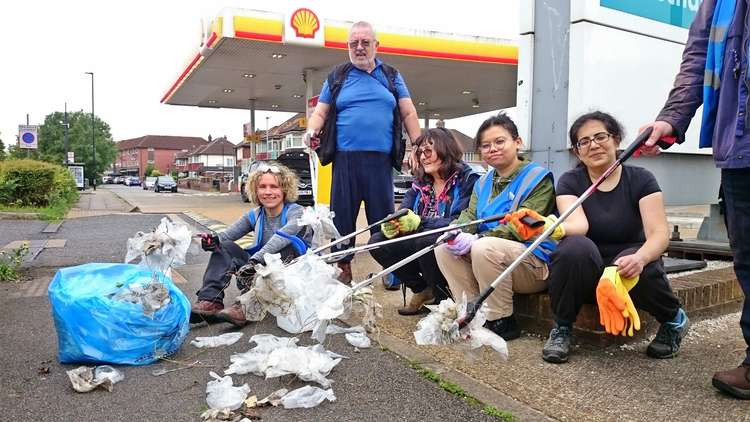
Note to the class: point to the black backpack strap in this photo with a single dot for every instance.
(390, 75)
(336, 80)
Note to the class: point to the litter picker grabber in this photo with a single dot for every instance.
(473, 306)
(331, 256)
(396, 215)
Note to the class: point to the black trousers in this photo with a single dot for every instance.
(735, 186)
(575, 270)
(417, 275)
(224, 262)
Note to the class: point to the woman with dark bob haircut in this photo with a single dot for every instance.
(622, 224)
(441, 190)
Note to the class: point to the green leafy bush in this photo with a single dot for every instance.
(30, 183)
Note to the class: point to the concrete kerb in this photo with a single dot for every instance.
(19, 216)
(134, 208)
(480, 391)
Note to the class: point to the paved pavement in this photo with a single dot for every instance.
(599, 384)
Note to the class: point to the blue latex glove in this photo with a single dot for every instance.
(461, 245)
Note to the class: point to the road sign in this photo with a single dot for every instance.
(71, 157)
(27, 136)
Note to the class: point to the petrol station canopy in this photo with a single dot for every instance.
(280, 60)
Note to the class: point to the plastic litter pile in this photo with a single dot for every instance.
(278, 356)
(161, 249)
(293, 293)
(152, 297)
(320, 220)
(440, 327)
(85, 379)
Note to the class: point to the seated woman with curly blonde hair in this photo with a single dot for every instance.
(273, 187)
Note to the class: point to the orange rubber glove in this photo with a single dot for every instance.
(522, 231)
(611, 305)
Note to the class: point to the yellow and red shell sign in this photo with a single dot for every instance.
(305, 23)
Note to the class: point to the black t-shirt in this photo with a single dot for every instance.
(614, 217)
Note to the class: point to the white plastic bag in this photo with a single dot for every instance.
(306, 397)
(320, 220)
(162, 248)
(225, 339)
(222, 394)
(440, 327)
(357, 339)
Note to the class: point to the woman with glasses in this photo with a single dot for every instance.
(273, 187)
(622, 224)
(441, 190)
(513, 184)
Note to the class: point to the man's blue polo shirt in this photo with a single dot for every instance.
(365, 110)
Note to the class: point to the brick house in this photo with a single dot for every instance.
(214, 160)
(135, 155)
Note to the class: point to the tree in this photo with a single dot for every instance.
(149, 170)
(2, 150)
(52, 138)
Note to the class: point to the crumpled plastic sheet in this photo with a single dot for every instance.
(278, 356)
(225, 339)
(152, 297)
(162, 248)
(440, 327)
(358, 340)
(273, 399)
(342, 303)
(320, 220)
(85, 378)
(222, 394)
(306, 397)
(293, 293)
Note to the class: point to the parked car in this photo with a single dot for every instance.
(401, 184)
(148, 183)
(298, 162)
(132, 181)
(165, 183)
(108, 180)
(119, 180)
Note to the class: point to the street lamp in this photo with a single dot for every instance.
(67, 127)
(93, 144)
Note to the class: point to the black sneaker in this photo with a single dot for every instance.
(557, 347)
(507, 327)
(667, 342)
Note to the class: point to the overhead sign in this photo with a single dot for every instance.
(673, 12)
(303, 27)
(27, 136)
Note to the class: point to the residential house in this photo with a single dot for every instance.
(214, 160)
(272, 144)
(135, 155)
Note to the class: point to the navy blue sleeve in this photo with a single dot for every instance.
(409, 198)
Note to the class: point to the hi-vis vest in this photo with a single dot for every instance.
(510, 199)
(257, 219)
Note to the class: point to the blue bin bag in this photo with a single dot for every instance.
(93, 328)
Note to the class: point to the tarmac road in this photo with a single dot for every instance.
(372, 385)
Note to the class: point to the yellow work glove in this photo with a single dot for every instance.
(408, 223)
(559, 232)
(390, 229)
(610, 303)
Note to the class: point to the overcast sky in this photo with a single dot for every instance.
(138, 48)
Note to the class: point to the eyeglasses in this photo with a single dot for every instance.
(597, 138)
(365, 43)
(498, 143)
(426, 151)
(265, 168)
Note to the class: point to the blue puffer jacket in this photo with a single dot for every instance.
(456, 201)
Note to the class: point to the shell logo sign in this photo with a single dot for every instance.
(303, 27)
(305, 23)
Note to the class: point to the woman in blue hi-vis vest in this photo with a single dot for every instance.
(471, 262)
(441, 190)
(274, 223)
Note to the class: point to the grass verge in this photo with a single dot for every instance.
(56, 211)
(459, 392)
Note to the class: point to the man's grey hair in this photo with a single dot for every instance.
(364, 24)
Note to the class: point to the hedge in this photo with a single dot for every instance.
(35, 183)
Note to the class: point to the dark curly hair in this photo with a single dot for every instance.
(610, 123)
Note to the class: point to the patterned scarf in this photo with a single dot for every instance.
(723, 14)
(431, 203)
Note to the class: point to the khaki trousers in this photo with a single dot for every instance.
(489, 257)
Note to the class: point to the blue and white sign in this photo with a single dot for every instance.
(673, 12)
(27, 136)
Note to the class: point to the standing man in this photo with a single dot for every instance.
(362, 107)
(714, 72)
